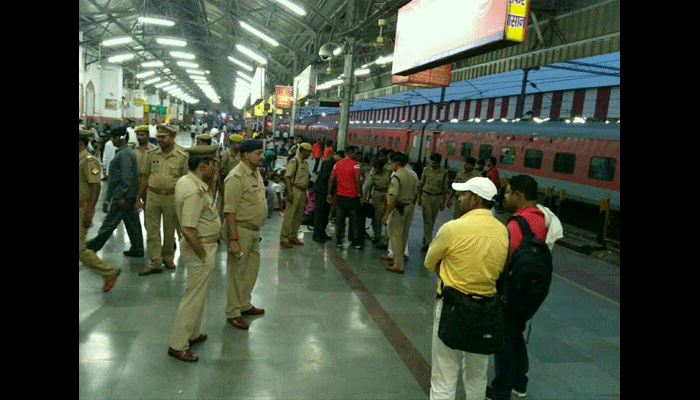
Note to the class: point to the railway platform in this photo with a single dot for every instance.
(336, 326)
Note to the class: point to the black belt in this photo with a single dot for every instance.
(433, 194)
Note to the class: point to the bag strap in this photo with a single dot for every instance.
(524, 226)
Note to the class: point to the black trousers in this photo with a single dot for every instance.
(348, 207)
(114, 216)
(511, 364)
(321, 213)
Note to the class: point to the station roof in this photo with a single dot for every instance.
(212, 29)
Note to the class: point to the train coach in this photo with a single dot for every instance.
(582, 159)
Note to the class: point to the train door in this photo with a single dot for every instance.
(434, 143)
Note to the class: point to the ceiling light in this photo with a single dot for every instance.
(187, 64)
(241, 63)
(244, 75)
(117, 41)
(160, 85)
(145, 74)
(150, 81)
(362, 72)
(293, 7)
(194, 71)
(259, 34)
(251, 54)
(172, 42)
(179, 54)
(155, 21)
(149, 64)
(120, 58)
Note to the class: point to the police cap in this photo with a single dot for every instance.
(207, 151)
(250, 145)
(235, 138)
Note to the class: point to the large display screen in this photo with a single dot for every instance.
(431, 33)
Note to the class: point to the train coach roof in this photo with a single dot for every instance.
(591, 130)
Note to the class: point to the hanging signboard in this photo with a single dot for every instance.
(283, 96)
(435, 77)
(476, 27)
(306, 83)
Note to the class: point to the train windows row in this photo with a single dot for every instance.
(376, 140)
(601, 168)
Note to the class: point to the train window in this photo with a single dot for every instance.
(391, 142)
(383, 142)
(466, 151)
(602, 168)
(376, 140)
(451, 148)
(398, 143)
(485, 151)
(564, 163)
(507, 155)
(533, 158)
(415, 141)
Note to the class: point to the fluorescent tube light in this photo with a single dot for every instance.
(244, 76)
(120, 58)
(251, 54)
(155, 21)
(241, 63)
(149, 64)
(194, 71)
(179, 54)
(172, 42)
(153, 80)
(293, 7)
(145, 74)
(259, 34)
(117, 41)
(187, 64)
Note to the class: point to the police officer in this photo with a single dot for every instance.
(199, 219)
(378, 183)
(462, 176)
(142, 145)
(296, 179)
(203, 140)
(432, 196)
(229, 160)
(89, 177)
(245, 208)
(161, 170)
(399, 211)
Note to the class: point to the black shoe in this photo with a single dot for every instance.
(90, 246)
(322, 241)
(132, 253)
(381, 246)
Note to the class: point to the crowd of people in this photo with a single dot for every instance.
(225, 186)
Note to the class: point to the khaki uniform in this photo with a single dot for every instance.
(245, 197)
(403, 186)
(435, 190)
(162, 171)
(89, 172)
(228, 163)
(379, 182)
(195, 209)
(298, 172)
(461, 177)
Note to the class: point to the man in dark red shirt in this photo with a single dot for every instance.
(348, 199)
(511, 364)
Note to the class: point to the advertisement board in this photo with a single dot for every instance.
(430, 33)
(283, 96)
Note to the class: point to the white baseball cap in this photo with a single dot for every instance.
(483, 187)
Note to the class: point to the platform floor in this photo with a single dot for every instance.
(336, 326)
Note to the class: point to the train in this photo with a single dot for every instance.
(581, 158)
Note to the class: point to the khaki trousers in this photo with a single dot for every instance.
(398, 227)
(189, 314)
(89, 257)
(379, 204)
(430, 206)
(158, 206)
(293, 215)
(242, 273)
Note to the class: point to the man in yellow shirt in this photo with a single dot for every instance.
(468, 254)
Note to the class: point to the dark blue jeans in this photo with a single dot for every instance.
(511, 364)
(114, 216)
(348, 207)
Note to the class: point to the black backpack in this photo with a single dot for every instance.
(529, 274)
